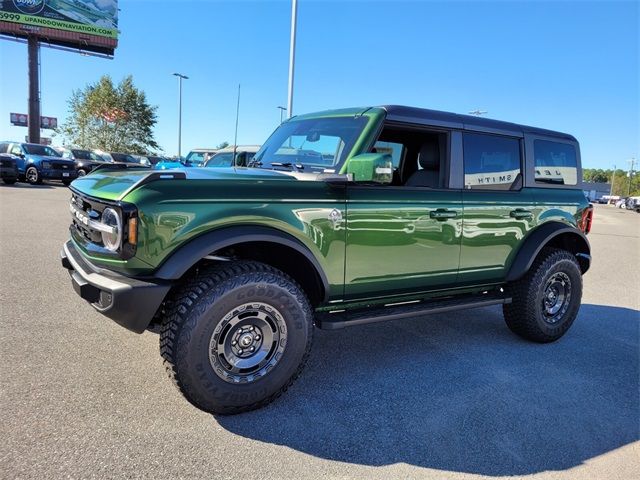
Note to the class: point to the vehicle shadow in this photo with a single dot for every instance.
(461, 393)
(26, 185)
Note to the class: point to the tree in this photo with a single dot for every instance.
(110, 118)
(222, 145)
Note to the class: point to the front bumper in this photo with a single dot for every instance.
(56, 174)
(128, 301)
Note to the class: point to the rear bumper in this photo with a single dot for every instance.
(130, 302)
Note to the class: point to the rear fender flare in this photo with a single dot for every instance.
(540, 238)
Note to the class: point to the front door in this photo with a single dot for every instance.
(401, 239)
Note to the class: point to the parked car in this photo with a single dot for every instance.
(155, 159)
(622, 203)
(225, 157)
(236, 266)
(86, 160)
(114, 157)
(9, 168)
(40, 162)
(197, 156)
(171, 163)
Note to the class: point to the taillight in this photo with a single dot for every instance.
(586, 220)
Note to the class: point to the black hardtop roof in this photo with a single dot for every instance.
(469, 121)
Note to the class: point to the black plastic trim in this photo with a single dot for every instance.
(130, 302)
(538, 239)
(195, 250)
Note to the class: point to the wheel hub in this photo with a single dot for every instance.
(556, 297)
(247, 343)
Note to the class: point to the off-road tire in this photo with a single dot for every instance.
(525, 314)
(201, 303)
(32, 175)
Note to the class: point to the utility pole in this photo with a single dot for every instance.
(292, 55)
(34, 89)
(180, 78)
(613, 181)
(632, 161)
(282, 110)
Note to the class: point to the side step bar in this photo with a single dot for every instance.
(341, 319)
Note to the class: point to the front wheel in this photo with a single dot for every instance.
(545, 302)
(9, 181)
(236, 336)
(33, 176)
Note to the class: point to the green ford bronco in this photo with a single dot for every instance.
(342, 218)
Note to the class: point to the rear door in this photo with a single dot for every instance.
(498, 211)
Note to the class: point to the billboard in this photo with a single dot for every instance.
(89, 25)
(22, 120)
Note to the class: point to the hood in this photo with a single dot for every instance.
(114, 185)
(47, 158)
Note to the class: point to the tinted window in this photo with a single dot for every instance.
(490, 162)
(82, 154)
(555, 163)
(220, 160)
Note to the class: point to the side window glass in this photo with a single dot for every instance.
(393, 149)
(4, 147)
(490, 162)
(16, 150)
(555, 163)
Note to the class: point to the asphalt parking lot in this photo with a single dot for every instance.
(448, 396)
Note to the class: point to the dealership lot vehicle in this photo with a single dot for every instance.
(239, 156)
(114, 157)
(86, 160)
(237, 265)
(9, 168)
(39, 162)
(198, 156)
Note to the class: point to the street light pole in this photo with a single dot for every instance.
(632, 161)
(282, 110)
(180, 78)
(292, 55)
(613, 181)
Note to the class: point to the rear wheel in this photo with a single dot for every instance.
(9, 181)
(236, 336)
(33, 176)
(545, 302)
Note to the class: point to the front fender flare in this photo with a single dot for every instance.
(195, 250)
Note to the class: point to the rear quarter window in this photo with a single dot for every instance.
(556, 163)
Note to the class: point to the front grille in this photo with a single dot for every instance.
(61, 166)
(92, 210)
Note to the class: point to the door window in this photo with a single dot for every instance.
(491, 162)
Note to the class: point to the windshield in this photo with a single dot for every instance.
(195, 158)
(82, 154)
(33, 149)
(319, 143)
(220, 160)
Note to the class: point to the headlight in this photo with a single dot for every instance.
(112, 240)
(46, 165)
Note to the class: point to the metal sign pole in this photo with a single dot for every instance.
(292, 55)
(34, 89)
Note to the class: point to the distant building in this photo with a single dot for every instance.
(596, 190)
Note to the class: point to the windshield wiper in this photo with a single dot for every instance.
(254, 163)
(297, 166)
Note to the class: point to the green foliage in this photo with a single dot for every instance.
(222, 145)
(622, 185)
(113, 118)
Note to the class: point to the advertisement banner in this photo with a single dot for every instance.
(88, 17)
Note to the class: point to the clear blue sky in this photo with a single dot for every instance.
(569, 66)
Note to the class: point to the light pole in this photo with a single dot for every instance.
(632, 161)
(282, 110)
(292, 55)
(180, 78)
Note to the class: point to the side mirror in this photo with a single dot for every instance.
(371, 167)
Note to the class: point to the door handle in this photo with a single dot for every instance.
(443, 214)
(520, 213)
